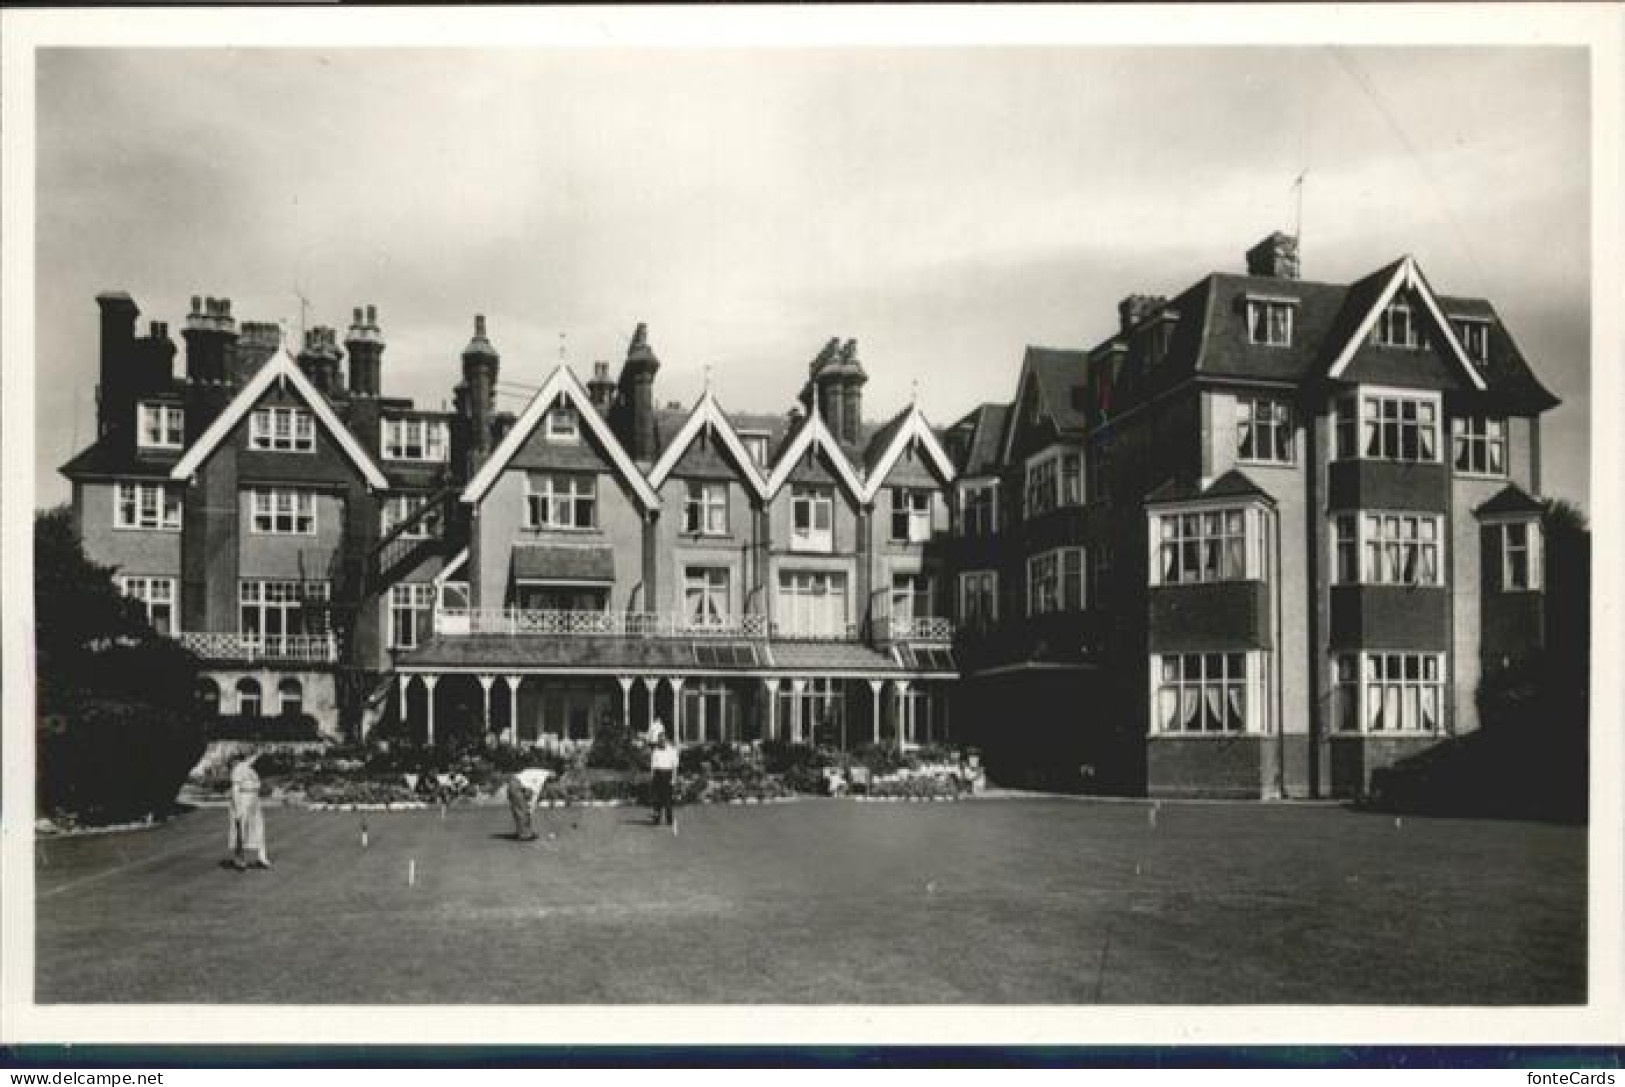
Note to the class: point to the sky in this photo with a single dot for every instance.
(945, 207)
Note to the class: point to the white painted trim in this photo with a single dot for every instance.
(450, 568)
(914, 427)
(279, 367)
(707, 412)
(1013, 421)
(561, 381)
(812, 432)
(1407, 275)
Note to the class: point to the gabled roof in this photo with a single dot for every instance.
(1233, 484)
(986, 434)
(707, 413)
(1511, 500)
(908, 426)
(1053, 373)
(280, 368)
(814, 432)
(561, 382)
(111, 455)
(1407, 276)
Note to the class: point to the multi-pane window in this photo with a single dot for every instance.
(705, 595)
(1055, 581)
(978, 598)
(282, 511)
(812, 603)
(1397, 326)
(157, 595)
(911, 596)
(1269, 322)
(272, 611)
(979, 509)
(563, 424)
(146, 505)
(1389, 427)
(561, 501)
(161, 426)
(401, 507)
(415, 439)
(282, 430)
(910, 515)
(705, 508)
(1388, 692)
(1264, 430)
(812, 514)
(411, 614)
(1210, 545)
(1042, 482)
(756, 446)
(1071, 479)
(1201, 692)
(1393, 548)
(1480, 445)
(1474, 335)
(1520, 554)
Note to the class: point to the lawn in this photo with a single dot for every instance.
(989, 901)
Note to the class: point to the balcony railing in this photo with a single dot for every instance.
(603, 624)
(922, 628)
(274, 648)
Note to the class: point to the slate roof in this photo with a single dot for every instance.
(880, 440)
(114, 454)
(975, 441)
(634, 655)
(1057, 372)
(562, 562)
(1511, 499)
(830, 656)
(1233, 484)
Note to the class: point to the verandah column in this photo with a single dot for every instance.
(485, 689)
(650, 683)
(676, 706)
(797, 686)
(771, 686)
(429, 680)
(626, 701)
(513, 707)
(874, 690)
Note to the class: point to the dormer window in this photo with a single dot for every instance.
(1396, 327)
(563, 424)
(1269, 322)
(1474, 334)
(160, 426)
(415, 439)
(282, 430)
(756, 446)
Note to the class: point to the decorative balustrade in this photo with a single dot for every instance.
(603, 624)
(923, 628)
(270, 648)
(816, 632)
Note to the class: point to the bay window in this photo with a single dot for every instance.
(1042, 487)
(1388, 426)
(1208, 545)
(812, 514)
(1386, 548)
(978, 598)
(1519, 546)
(282, 430)
(561, 501)
(1480, 445)
(152, 506)
(1377, 692)
(1208, 693)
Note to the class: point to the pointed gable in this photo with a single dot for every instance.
(688, 455)
(280, 378)
(1364, 307)
(814, 436)
(907, 431)
(563, 385)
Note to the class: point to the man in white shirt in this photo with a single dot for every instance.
(663, 762)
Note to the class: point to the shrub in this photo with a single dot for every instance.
(782, 756)
(880, 758)
(614, 747)
(107, 760)
(715, 758)
(285, 727)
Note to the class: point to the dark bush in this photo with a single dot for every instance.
(614, 747)
(104, 760)
(283, 727)
(880, 758)
(783, 756)
(715, 758)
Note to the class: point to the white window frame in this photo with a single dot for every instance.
(755, 447)
(1273, 317)
(1057, 581)
(806, 502)
(269, 506)
(149, 507)
(1046, 478)
(912, 506)
(166, 421)
(245, 687)
(563, 422)
(980, 587)
(1265, 417)
(410, 439)
(399, 507)
(705, 507)
(1384, 332)
(1192, 535)
(157, 596)
(1385, 539)
(813, 603)
(1184, 686)
(1481, 438)
(1534, 548)
(1473, 332)
(551, 501)
(982, 499)
(707, 595)
(1365, 416)
(411, 613)
(284, 597)
(282, 429)
(1373, 685)
(908, 587)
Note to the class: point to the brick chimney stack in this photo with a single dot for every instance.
(1136, 308)
(320, 359)
(481, 364)
(211, 340)
(157, 357)
(115, 402)
(256, 344)
(365, 343)
(852, 379)
(1276, 257)
(601, 388)
(638, 390)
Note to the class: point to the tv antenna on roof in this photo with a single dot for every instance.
(304, 312)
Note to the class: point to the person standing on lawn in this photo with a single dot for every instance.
(663, 765)
(519, 804)
(247, 820)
